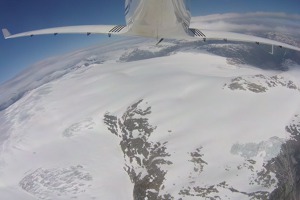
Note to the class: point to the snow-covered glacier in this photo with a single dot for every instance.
(131, 120)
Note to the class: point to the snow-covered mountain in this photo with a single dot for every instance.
(131, 120)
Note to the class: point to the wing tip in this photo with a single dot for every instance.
(6, 33)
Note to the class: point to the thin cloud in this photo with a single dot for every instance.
(248, 22)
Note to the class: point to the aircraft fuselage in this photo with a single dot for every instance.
(157, 18)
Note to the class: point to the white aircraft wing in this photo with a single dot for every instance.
(229, 36)
(87, 29)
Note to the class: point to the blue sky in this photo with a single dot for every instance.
(25, 15)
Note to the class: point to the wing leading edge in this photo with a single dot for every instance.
(230, 36)
(87, 29)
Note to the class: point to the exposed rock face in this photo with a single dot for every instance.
(260, 83)
(144, 159)
(211, 192)
(197, 160)
(287, 165)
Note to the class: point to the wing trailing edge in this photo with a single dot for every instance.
(87, 29)
(207, 35)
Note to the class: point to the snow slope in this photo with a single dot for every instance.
(181, 120)
(187, 125)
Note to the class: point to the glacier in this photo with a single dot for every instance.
(131, 120)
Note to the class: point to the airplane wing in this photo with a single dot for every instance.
(207, 35)
(87, 29)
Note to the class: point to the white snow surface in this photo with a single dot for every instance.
(55, 145)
